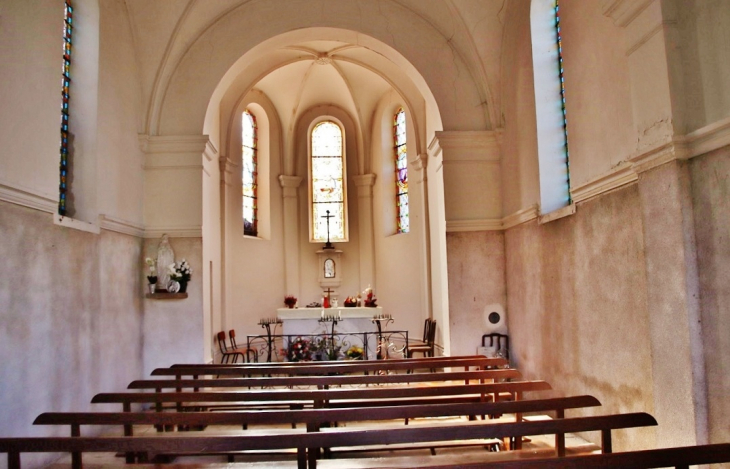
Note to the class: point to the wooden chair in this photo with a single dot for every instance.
(247, 352)
(426, 347)
(226, 353)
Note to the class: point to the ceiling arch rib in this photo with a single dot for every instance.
(353, 82)
(183, 108)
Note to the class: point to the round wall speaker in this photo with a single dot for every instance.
(495, 319)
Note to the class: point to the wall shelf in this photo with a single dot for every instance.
(166, 296)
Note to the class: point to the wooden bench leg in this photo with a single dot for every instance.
(606, 445)
(302, 458)
(13, 460)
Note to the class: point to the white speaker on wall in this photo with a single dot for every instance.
(495, 319)
(495, 322)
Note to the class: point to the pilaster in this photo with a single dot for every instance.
(290, 191)
(364, 184)
(678, 369)
(173, 180)
(471, 173)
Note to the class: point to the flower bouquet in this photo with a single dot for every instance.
(180, 273)
(152, 274)
(299, 350)
(290, 301)
(355, 353)
(370, 300)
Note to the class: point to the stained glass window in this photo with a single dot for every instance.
(562, 92)
(328, 188)
(65, 85)
(249, 175)
(401, 170)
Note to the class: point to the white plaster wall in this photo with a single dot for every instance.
(400, 259)
(173, 329)
(598, 91)
(70, 320)
(254, 267)
(196, 77)
(31, 34)
(520, 177)
(710, 187)
(700, 60)
(211, 269)
(577, 308)
(120, 158)
(476, 263)
(309, 287)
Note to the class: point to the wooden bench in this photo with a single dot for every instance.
(325, 397)
(679, 457)
(324, 381)
(331, 439)
(329, 362)
(345, 367)
(312, 418)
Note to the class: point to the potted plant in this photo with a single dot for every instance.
(181, 273)
(290, 301)
(152, 274)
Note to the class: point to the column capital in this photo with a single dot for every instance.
(420, 162)
(364, 180)
(290, 181)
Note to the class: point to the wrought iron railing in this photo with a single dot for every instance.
(328, 345)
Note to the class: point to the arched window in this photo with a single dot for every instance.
(552, 136)
(249, 174)
(401, 171)
(327, 169)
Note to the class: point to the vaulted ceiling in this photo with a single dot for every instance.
(315, 71)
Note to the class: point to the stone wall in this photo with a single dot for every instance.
(476, 280)
(70, 319)
(710, 175)
(577, 307)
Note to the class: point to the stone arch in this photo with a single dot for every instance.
(201, 76)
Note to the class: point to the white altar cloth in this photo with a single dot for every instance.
(305, 321)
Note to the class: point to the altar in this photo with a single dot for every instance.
(306, 321)
(351, 323)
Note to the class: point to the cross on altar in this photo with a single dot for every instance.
(326, 300)
(327, 217)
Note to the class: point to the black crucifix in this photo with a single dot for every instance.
(328, 245)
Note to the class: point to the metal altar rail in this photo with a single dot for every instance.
(328, 345)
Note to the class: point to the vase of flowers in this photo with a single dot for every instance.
(370, 300)
(290, 301)
(355, 353)
(180, 272)
(151, 274)
(299, 350)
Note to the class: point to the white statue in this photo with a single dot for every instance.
(165, 257)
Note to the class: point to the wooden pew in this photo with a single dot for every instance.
(344, 367)
(321, 381)
(312, 418)
(327, 362)
(679, 457)
(325, 397)
(339, 437)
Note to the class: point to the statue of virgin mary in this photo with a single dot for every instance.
(165, 257)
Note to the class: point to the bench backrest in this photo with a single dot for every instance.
(320, 396)
(331, 439)
(314, 416)
(315, 363)
(322, 381)
(353, 366)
